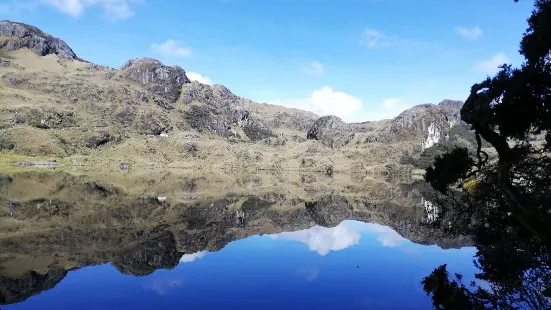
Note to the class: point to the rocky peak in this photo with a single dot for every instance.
(162, 80)
(418, 118)
(452, 104)
(425, 124)
(452, 108)
(16, 36)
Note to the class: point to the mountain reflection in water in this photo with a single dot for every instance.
(73, 242)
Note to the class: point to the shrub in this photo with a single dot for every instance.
(6, 145)
(471, 186)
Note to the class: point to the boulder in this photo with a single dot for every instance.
(16, 36)
(331, 131)
(162, 80)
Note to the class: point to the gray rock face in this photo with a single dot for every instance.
(144, 259)
(14, 290)
(19, 35)
(331, 131)
(216, 96)
(420, 117)
(241, 118)
(159, 79)
(302, 121)
(452, 104)
(202, 119)
(219, 109)
(417, 118)
(453, 108)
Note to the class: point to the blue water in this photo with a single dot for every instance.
(351, 266)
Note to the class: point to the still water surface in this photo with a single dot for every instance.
(171, 241)
(354, 265)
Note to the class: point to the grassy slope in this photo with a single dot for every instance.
(85, 102)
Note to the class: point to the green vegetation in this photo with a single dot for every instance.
(6, 145)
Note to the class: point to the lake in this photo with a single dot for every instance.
(153, 241)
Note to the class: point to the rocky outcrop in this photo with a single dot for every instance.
(331, 131)
(419, 127)
(453, 107)
(299, 120)
(13, 290)
(418, 119)
(157, 253)
(215, 109)
(15, 36)
(215, 96)
(202, 119)
(159, 79)
(425, 124)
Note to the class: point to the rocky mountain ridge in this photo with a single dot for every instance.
(19, 35)
(146, 112)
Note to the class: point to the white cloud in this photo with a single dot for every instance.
(325, 101)
(389, 108)
(162, 286)
(373, 38)
(115, 9)
(171, 48)
(313, 68)
(194, 76)
(310, 274)
(469, 33)
(188, 258)
(386, 235)
(322, 239)
(491, 66)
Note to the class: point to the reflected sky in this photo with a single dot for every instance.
(351, 266)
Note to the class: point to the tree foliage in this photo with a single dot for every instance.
(509, 214)
(449, 168)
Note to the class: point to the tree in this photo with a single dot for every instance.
(509, 214)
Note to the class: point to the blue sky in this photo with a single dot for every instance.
(357, 59)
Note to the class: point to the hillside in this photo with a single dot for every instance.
(147, 114)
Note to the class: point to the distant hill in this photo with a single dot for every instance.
(149, 114)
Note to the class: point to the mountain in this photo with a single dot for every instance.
(149, 114)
